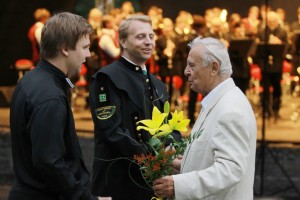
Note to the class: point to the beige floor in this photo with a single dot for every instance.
(287, 128)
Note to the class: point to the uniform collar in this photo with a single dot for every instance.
(131, 65)
(47, 66)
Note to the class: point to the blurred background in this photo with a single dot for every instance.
(241, 25)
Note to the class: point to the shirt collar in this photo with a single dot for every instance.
(212, 94)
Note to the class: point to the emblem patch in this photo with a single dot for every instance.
(105, 112)
(102, 97)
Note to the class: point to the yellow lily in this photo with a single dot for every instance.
(177, 122)
(154, 125)
(164, 130)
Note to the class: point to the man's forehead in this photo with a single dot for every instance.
(136, 24)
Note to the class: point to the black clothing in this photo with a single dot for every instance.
(264, 35)
(239, 60)
(93, 62)
(192, 106)
(271, 68)
(295, 27)
(120, 96)
(166, 63)
(47, 158)
(240, 71)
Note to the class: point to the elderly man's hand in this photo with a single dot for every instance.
(164, 187)
(176, 164)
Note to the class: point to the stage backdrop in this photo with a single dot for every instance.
(172, 7)
(17, 16)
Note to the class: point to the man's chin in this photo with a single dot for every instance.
(73, 74)
(192, 88)
(147, 56)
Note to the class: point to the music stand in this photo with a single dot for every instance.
(240, 47)
(265, 50)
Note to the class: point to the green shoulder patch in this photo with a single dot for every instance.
(102, 97)
(105, 112)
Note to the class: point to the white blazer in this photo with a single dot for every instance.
(219, 165)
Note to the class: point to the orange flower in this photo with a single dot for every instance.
(156, 167)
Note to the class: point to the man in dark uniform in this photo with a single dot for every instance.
(121, 94)
(48, 162)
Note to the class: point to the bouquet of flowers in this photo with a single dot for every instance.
(156, 163)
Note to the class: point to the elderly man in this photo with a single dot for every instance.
(219, 164)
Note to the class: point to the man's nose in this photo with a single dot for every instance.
(187, 72)
(148, 40)
(88, 53)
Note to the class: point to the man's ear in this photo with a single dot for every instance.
(123, 43)
(65, 51)
(214, 69)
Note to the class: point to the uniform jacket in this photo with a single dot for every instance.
(219, 165)
(47, 159)
(120, 96)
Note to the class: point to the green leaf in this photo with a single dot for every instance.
(166, 107)
(171, 137)
(154, 142)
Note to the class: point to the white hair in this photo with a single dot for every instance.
(216, 51)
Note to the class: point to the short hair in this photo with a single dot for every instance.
(62, 30)
(106, 19)
(273, 16)
(198, 22)
(124, 25)
(41, 13)
(94, 13)
(216, 51)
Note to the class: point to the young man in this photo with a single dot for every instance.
(120, 96)
(48, 162)
(220, 163)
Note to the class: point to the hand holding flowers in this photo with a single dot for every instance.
(158, 162)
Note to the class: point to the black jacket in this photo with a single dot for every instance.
(47, 158)
(120, 96)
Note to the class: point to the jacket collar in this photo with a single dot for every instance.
(213, 100)
(130, 65)
(57, 73)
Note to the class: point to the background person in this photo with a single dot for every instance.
(273, 33)
(41, 15)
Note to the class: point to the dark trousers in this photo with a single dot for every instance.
(272, 79)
